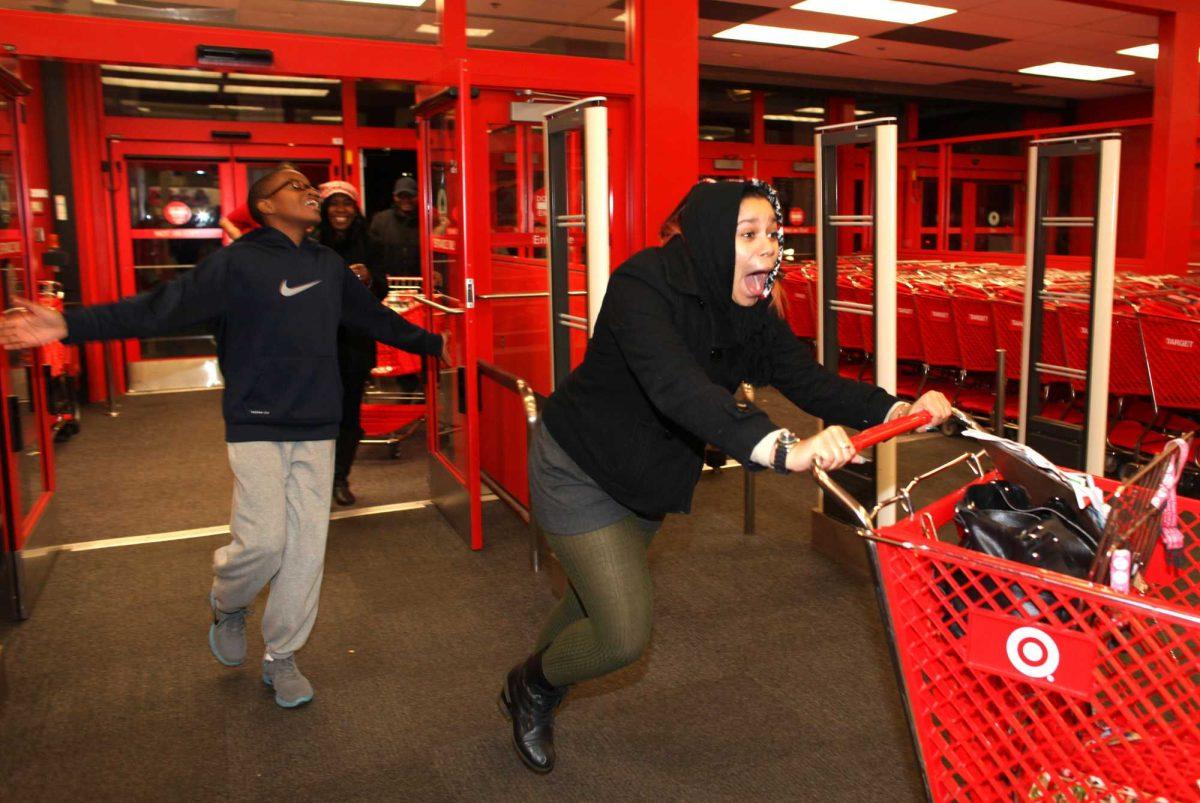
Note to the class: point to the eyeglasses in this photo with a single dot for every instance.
(295, 183)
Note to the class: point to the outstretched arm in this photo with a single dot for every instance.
(836, 399)
(196, 296)
(29, 324)
(366, 315)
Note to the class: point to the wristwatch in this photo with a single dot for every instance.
(784, 444)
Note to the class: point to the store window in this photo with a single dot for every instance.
(790, 117)
(394, 20)
(591, 28)
(726, 111)
(131, 91)
(386, 104)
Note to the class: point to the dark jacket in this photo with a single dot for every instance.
(657, 382)
(275, 308)
(356, 353)
(396, 242)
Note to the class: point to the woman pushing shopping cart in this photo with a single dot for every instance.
(1027, 684)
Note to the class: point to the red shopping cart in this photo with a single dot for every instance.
(1026, 684)
(391, 417)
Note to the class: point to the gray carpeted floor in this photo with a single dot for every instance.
(161, 466)
(768, 677)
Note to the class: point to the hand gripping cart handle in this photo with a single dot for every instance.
(1025, 684)
(884, 432)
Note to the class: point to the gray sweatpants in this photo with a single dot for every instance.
(280, 519)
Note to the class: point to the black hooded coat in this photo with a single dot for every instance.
(657, 381)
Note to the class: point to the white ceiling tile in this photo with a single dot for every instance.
(1056, 12)
(1144, 25)
(983, 24)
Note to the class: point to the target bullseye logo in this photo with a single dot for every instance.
(1056, 658)
(1033, 653)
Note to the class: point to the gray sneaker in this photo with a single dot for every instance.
(227, 636)
(291, 688)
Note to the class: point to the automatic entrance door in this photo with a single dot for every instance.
(448, 294)
(1079, 446)
(26, 449)
(859, 307)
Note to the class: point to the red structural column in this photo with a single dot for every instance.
(1173, 143)
(667, 36)
(93, 214)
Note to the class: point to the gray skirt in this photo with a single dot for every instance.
(564, 499)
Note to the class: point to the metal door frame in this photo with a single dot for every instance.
(590, 115)
(875, 480)
(18, 585)
(457, 495)
(1067, 444)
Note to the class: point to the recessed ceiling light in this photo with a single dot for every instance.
(622, 17)
(474, 33)
(793, 118)
(812, 110)
(1149, 51)
(170, 86)
(327, 118)
(233, 107)
(291, 91)
(793, 37)
(1078, 72)
(882, 10)
(863, 112)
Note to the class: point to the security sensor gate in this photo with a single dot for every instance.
(873, 302)
(1075, 445)
(577, 201)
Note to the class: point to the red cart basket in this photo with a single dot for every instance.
(1024, 684)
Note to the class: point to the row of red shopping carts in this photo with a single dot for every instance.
(953, 317)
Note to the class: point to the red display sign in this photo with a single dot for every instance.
(177, 213)
(1062, 660)
(795, 216)
(540, 205)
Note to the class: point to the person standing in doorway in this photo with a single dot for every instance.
(344, 229)
(395, 233)
(275, 299)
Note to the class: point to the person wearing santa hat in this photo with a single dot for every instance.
(344, 229)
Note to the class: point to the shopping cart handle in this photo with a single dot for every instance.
(869, 437)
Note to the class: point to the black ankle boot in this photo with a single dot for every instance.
(529, 701)
(342, 494)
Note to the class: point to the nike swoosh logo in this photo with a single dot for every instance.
(286, 291)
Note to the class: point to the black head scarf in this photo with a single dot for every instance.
(708, 220)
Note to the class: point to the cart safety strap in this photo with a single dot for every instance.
(1172, 535)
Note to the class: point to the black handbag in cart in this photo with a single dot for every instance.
(999, 519)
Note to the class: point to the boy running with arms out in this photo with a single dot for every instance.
(274, 299)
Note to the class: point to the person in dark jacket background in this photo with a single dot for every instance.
(275, 299)
(622, 439)
(395, 233)
(344, 229)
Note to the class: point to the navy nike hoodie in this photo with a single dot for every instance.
(274, 308)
